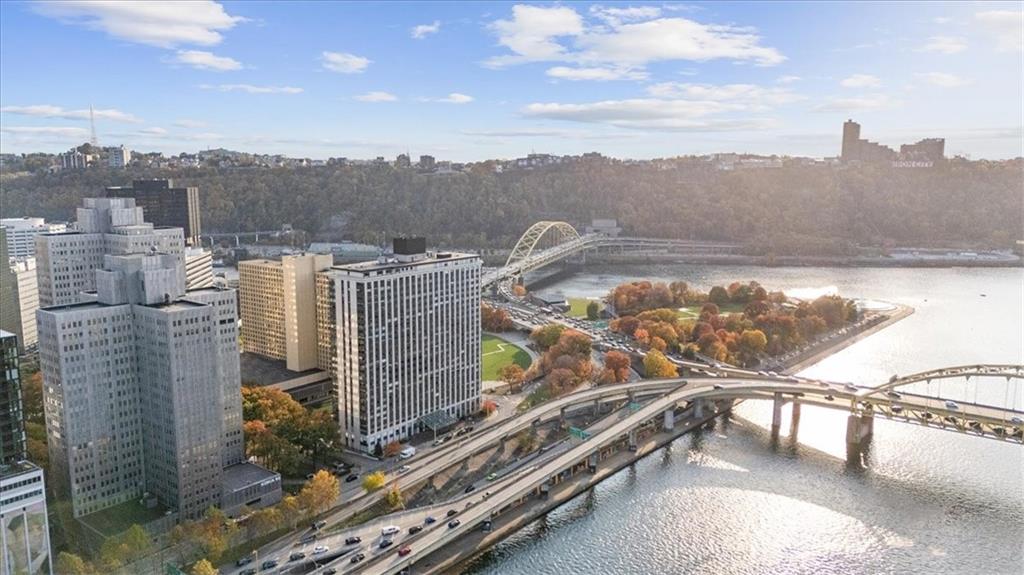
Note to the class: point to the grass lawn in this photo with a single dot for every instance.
(497, 353)
(578, 306)
(118, 518)
(537, 397)
(693, 311)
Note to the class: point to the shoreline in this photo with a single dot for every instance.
(813, 356)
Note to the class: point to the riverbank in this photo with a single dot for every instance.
(818, 353)
(806, 261)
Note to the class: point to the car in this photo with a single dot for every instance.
(357, 558)
(492, 477)
(469, 429)
(353, 540)
(403, 469)
(468, 489)
(385, 543)
(268, 564)
(351, 478)
(952, 405)
(1016, 421)
(439, 441)
(773, 374)
(719, 386)
(243, 561)
(894, 395)
(319, 550)
(329, 571)
(389, 531)
(823, 384)
(249, 571)
(829, 398)
(308, 538)
(850, 387)
(404, 551)
(460, 432)
(317, 525)
(415, 529)
(897, 409)
(297, 556)
(430, 520)
(454, 523)
(451, 512)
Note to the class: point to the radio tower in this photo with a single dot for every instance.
(92, 128)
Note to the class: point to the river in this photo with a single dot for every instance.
(727, 501)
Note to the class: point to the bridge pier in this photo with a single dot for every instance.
(632, 440)
(698, 408)
(561, 417)
(777, 415)
(859, 430)
(592, 462)
(669, 420)
(794, 423)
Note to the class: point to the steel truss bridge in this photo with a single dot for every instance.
(659, 402)
(547, 242)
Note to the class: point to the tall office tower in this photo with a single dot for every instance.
(21, 233)
(144, 392)
(851, 141)
(326, 330)
(10, 316)
(66, 261)
(26, 301)
(408, 340)
(198, 268)
(165, 205)
(24, 528)
(278, 308)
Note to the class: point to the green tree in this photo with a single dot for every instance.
(593, 310)
(394, 499)
(548, 335)
(204, 567)
(526, 440)
(656, 366)
(137, 541)
(71, 564)
(718, 295)
(374, 481)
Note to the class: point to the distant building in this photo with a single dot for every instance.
(119, 157)
(25, 534)
(278, 308)
(165, 205)
(604, 227)
(21, 234)
(198, 268)
(856, 149)
(26, 301)
(426, 163)
(407, 341)
(403, 161)
(930, 149)
(75, 160)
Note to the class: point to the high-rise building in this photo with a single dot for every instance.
(856, 149)
(21, 234)
(144, 392)
(408, 342)
(929, 150)
(851, 141)
(66, 261)
(165, 205)
(10, 316)
(426, 162)
(119, 157)
(198, 268)
(278, 308)
(24, 528)
(26, 301)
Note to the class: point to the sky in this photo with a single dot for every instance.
(469, 81)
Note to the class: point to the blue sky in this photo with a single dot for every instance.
(476, 80)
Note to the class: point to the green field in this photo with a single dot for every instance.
(578, 306)
(114, 520)
(497, 353)
(693, 311)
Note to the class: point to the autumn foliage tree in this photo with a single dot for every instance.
(392, 449)
(657, 366)
(488, 406)
(547, 335)
(513, 375)
(616, 365)
(495, 319)
(374, 481)
(279, 431)
(319, 493)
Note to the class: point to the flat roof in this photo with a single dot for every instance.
(393, 263)
(241, 475)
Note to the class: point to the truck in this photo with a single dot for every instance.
(407, 452)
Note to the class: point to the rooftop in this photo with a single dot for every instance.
(392, 263)
(241, 475)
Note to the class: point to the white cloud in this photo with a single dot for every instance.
(63, 131)
(207, 60)
(1007, 26)
(48, 111)
(344, 63)
(648, 114)
(942, 20)
(423, 30)
(743, 96)
(163, 24)
(626, 38)
(861, 81)
(944, 45)
(943, 80)
(858, 104)
(788, 79)
(187, 123)
(153, 131)
(377, 97)
(249, 88)
(598, 74)
(456, 98)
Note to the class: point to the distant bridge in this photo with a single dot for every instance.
(529, 253)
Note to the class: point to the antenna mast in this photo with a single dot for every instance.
(92, 128)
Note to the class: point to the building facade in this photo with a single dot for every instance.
(119, 157)
(408, 342)
(10, 316)
(278, 308)
(26, 301)
(12, 415)
(165, 205)
(21, 234)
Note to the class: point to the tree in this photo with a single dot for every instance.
(656, 365)
(593, 310)
(513, 375)
(137, 541)
(394, 499)
(618, 364)
(392, 449)
(526, 440)
(718, 295)
(374, 481)
(560, 380)
(291, 510)
(32, 398)
(320, 493)
(71, 564)
(548, 335)
(204, 567)
(519, 290)
(494, 319)
(263, 521)
(487, 407)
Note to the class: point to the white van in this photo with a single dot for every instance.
(407, 452)
(389, 530)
